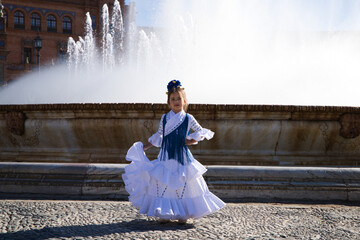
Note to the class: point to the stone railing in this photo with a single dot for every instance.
(244, 134)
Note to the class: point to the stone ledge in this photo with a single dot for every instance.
(155, 111)
(228, 182)
(192, 107)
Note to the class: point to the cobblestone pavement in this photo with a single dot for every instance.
(44, 219)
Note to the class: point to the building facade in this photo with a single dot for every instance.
(54, 21)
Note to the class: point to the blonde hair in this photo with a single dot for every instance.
(182, 93)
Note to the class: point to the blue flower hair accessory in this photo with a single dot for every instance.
(173, 84)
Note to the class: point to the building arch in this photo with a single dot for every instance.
(19, 17)
(67, 22)
(35, 20)
(51, 22)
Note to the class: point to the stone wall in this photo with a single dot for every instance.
(244, 134)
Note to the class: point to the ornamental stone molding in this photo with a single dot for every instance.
(15, 122)
(192, 107)
(350, 125)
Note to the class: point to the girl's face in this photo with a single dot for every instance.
(176, 102)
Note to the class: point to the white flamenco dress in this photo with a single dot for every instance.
(172, 186)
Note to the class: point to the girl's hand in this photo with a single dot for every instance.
(189, 141)
(147, 146)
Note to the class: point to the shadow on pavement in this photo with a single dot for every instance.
(137, 225)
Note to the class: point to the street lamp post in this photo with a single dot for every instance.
(38, 46)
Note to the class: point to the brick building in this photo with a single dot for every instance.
(53, 20)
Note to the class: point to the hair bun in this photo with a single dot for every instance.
(173, 84)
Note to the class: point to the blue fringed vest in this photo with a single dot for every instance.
(174, 143)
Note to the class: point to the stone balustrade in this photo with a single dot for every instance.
(258, 135)
(231, 183)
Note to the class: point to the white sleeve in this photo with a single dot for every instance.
(199, 132)
(156, 139)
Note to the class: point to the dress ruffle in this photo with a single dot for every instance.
(136, 175)
(174, 209)
(167, 189)
(173, 174)
(201, 135)
(155, 140)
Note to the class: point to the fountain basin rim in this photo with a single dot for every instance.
(192, 107)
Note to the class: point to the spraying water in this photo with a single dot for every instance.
(223, 51)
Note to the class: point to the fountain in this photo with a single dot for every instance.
(229, 59)
(248, 52)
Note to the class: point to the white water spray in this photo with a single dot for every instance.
(224, 51)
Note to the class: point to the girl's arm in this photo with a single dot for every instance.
(155, 140)
(199, 133)
(190, 141)
(147, 146)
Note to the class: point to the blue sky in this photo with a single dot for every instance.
(145, 11)
(334, 12)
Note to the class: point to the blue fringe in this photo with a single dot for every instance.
(174, 143)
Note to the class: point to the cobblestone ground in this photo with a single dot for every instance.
(39, 219)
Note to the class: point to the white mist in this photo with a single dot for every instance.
(224, 51)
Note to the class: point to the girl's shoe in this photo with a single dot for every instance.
(182, 221)
(162, 221)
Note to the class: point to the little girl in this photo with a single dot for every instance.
(172, 186)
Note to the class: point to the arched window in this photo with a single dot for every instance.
(19, 20)
(35, 22)
(67, 27)
(51, 23)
